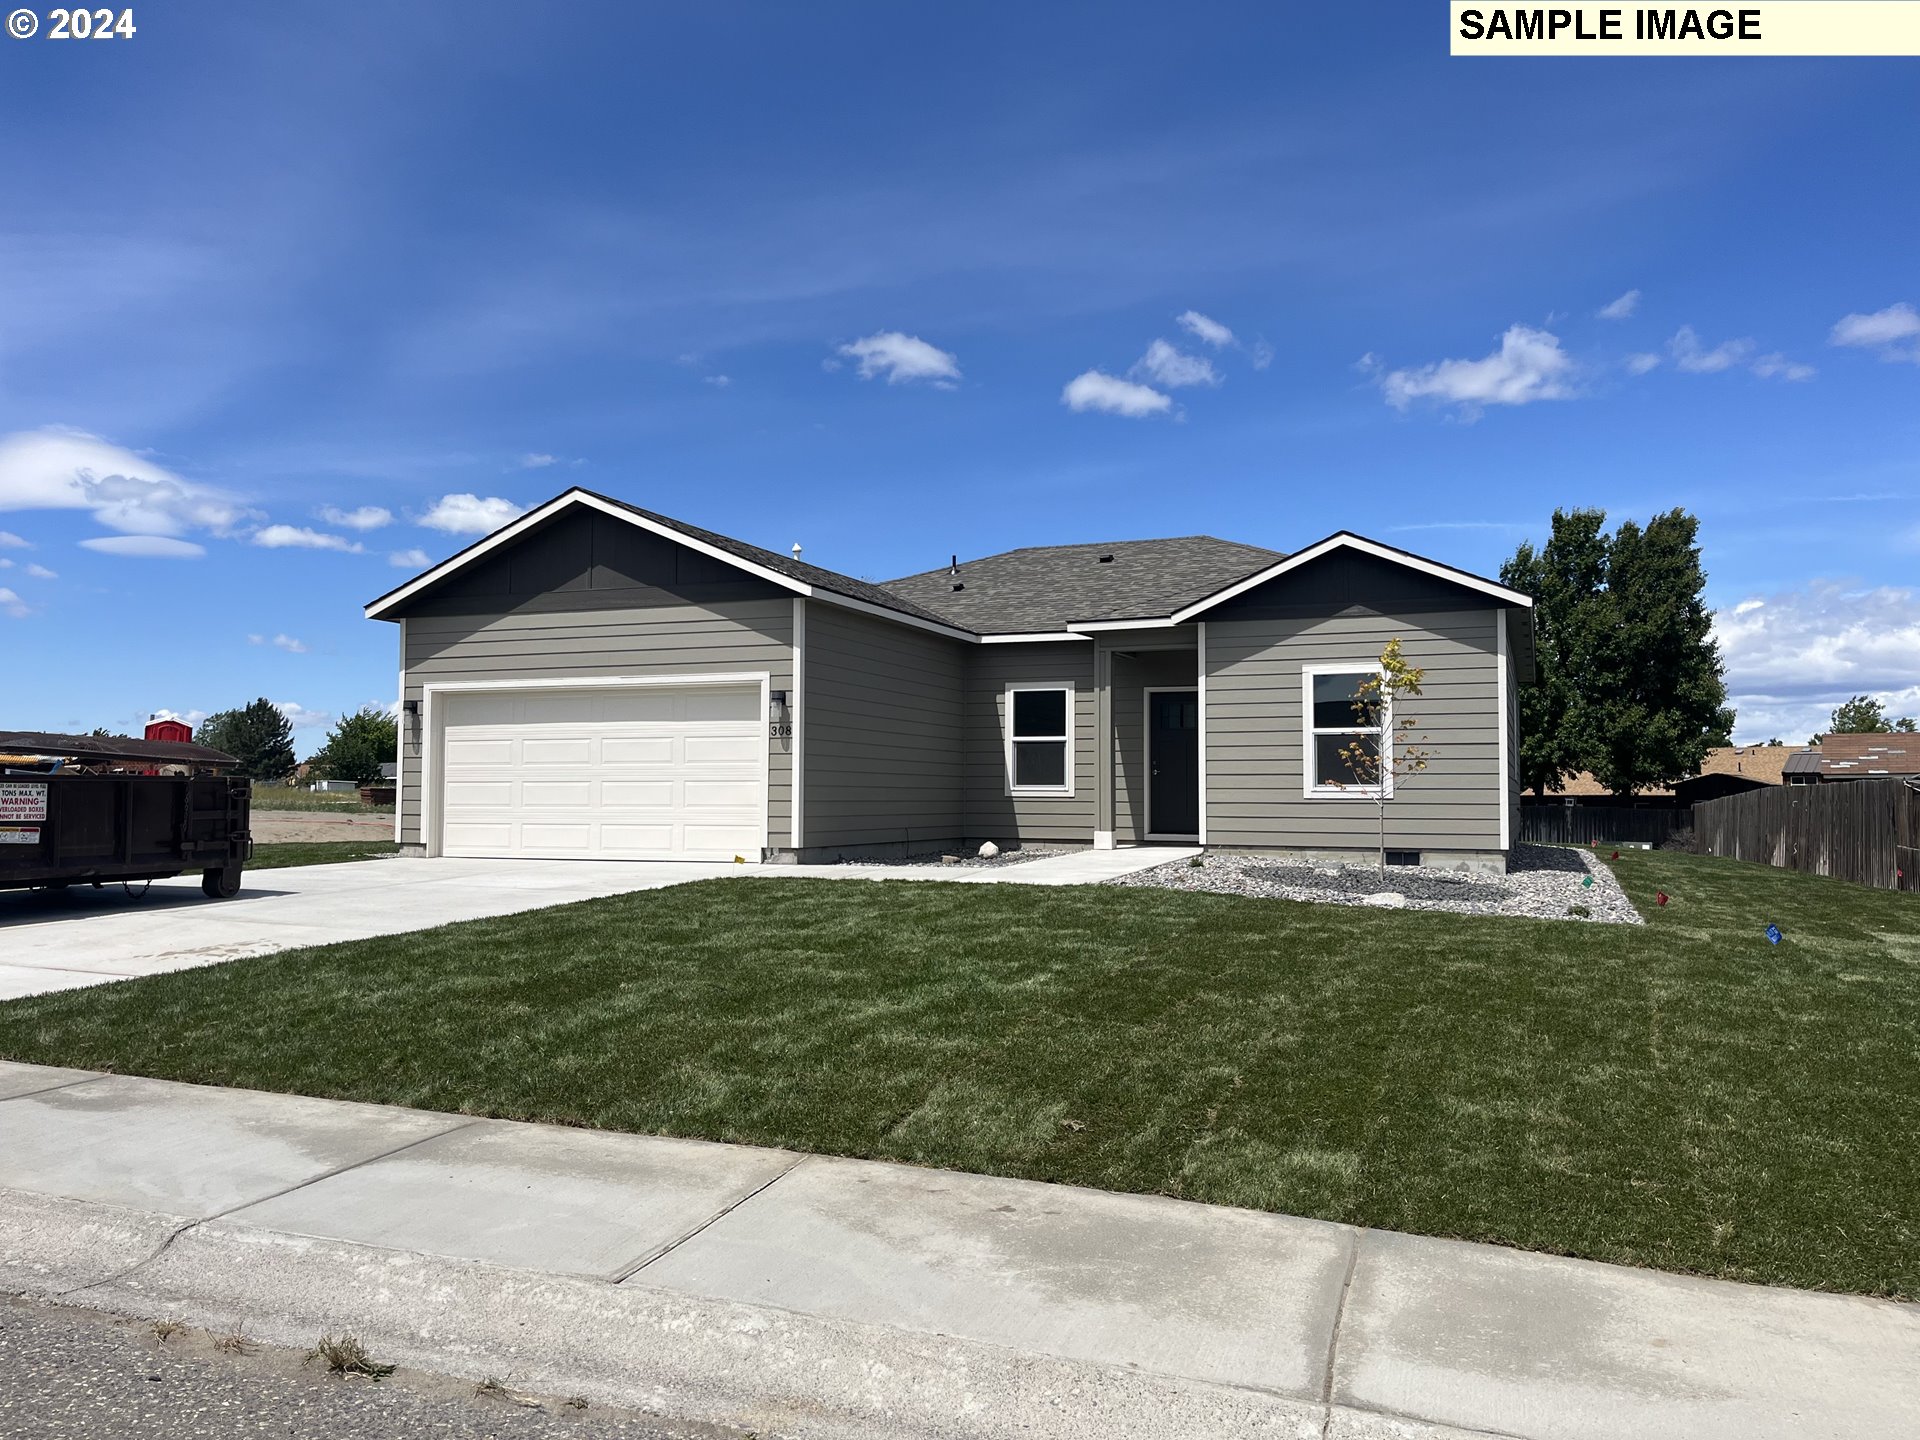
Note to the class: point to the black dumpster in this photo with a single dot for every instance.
(75, 809)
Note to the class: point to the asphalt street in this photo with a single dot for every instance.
(79, 1375)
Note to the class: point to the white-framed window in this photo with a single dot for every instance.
(1039, 734)
(1331, 723)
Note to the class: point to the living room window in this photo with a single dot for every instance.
(1336, 723)
(1039, 739)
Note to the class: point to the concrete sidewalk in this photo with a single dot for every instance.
(812, 1296)
(89, 937)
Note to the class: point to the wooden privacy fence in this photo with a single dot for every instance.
(1867, 831)
(1606, 824)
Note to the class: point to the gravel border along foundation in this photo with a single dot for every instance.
(1543, 882)
(971, 860)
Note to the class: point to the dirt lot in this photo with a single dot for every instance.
(272, 826)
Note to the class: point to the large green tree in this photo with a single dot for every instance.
(358, 746)
(1630, 686)
(257, 735)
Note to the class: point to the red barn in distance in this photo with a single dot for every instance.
(177, 730)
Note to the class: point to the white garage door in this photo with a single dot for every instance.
(644, 772)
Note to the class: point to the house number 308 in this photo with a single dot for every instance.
(782, 729)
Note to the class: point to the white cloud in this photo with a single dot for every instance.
(1694, 358)
(1620, 309)
(256, 639)
(1792, 657)
(410, 559)
(71, 470)
(1643, 362)
(1883, 331)
(300, 717)
(1260, 353)
(284, 642)
(367, 517)
(189, 718)
(1528, 366)
(1202, 327)
(719, 382)
(298, 537)
(465, 514)
(13, 605)
(1778, 367)
(11, 541)
(535, 461)
(151, 547)
(41, 572)
(1113, 396)
(902, 358)
(1168, 365)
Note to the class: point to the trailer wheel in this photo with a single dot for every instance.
(221, 884)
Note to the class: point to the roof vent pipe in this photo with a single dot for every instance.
(953, 566)
(796, 550)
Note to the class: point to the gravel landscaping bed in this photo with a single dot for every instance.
(971, 860)
(1544, 882)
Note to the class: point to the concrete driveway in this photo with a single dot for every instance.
(86, 937)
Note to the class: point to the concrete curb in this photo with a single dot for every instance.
(653, 1350)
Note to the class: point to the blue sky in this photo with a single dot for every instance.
(276, 281)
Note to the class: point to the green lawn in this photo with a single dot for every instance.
(1682, 1095)
(280, 854)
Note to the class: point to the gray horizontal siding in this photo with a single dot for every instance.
(882, 724)
(1255, 754)
(991, 813)
(677, 639)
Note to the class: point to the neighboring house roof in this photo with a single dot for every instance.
(1763, 763)
(1048, 587)
(1046, 592)
(1804, 762)
(1868, 757)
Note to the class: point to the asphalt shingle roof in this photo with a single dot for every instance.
(1047, 586)
(788, 566)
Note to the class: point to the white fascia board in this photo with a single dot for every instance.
(1031, 637)
(517, 528)
(1092, 626)
(1365, 547)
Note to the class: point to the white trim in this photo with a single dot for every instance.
(1147, 692)
(1103, 840)
(1006, 734)
(429, 800)
(1160, 622)
(400, 750)
(1501, 660)
(1028, 637)
(1200, 683)
(515, 529)
(1308, 750)
(796, 718)
(1365, 547)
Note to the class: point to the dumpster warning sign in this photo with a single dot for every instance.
(22, 800)
(19, 834)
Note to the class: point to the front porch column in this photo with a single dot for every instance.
(1103, 745)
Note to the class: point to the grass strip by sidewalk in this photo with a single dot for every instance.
(1683, 1095)
(280, 854)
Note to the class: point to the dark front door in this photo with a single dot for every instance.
(1173, 762)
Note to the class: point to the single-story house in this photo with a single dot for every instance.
(596, 680)
(1726, 770)
(1870, 756)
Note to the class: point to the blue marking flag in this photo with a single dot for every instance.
(1773, 934)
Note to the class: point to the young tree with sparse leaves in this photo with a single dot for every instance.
(1393, 752)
